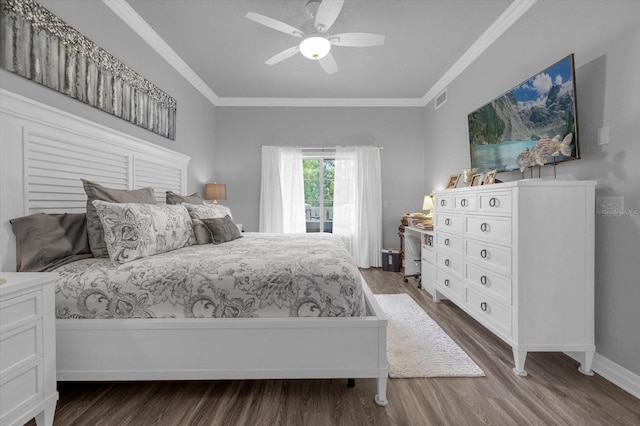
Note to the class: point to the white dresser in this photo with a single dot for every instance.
(519, 258)
(27, 348)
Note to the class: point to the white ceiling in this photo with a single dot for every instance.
(428, 43)
(227, 51)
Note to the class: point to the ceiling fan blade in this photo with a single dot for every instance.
(357, 39)
(285, 54)
(328, 63)
(275, 24)
(327, 13)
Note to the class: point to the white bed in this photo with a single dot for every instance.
(45, 152)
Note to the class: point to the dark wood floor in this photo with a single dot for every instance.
(554, 393)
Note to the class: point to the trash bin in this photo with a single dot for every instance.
(391, 260)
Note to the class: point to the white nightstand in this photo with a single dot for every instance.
(27, 348)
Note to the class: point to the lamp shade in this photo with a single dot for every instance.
(427, 204)
(215, 191)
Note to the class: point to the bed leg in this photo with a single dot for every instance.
(381, 397)
(351, 383)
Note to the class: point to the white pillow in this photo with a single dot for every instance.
(133, 231)
(208, 211)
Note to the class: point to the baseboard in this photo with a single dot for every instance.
(615, 373)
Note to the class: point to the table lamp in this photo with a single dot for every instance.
(427, 204)
(215, 191)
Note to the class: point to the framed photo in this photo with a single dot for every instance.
(453, 181)
(476, 180)
(490, 177)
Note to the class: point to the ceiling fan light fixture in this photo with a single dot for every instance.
(315, 47)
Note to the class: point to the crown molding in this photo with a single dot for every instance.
(491, 34)
(321, 102)
(130, 17)
(123, 10)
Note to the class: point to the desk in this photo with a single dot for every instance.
(419, 257)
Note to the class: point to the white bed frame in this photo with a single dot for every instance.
(43, 154)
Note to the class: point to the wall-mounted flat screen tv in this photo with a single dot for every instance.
(532, 124)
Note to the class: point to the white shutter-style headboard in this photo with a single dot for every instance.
(44, 152)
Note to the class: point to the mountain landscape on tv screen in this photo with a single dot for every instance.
(541, 107)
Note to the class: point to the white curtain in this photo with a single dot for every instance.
(357, 203)
(282, 191)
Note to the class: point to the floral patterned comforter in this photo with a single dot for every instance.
(259, 275)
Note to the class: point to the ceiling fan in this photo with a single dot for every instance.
(316, 43)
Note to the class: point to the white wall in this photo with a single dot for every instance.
(608, 83)
(241, 131)
(195, 123)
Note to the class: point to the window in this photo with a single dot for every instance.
(318, 173)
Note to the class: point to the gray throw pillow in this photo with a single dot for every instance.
(222, 229)
(46, 241)
(202, 233)
(94, 192)
(173, 198)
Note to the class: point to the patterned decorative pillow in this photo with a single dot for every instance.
(173, 198)
(208, 211)
(133, 231)
(96, 191)
(222, 229)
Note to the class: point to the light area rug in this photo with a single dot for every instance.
(417, 346)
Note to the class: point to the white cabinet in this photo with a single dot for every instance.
(419, 256)
(519, 258)
(27, 348)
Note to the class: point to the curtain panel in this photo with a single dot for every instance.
(357, 201)
(282, 191)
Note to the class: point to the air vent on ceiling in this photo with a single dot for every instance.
(441, 98)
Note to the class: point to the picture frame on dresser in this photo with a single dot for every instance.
(490, 177)
(453, 181)
(476, 180)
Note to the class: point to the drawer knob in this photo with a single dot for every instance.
(447, 221)
(484, 253)
(483, 280)
(443, 203)
(464, 202)
(484, 227)
(447, 262)
(483, 306)
(493, 202)
(446, 282)
(447, 242)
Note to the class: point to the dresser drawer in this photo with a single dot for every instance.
(465, 202)
(21, 388)
(443, 202)
(20, 346)
(490, 228)
(427, 254)
(449, 242)
(449, 285)
(495, 257)
(449, 222)
(449, 262)
(20, 310)
(495, 202)
(496, 285)
(489, 311)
